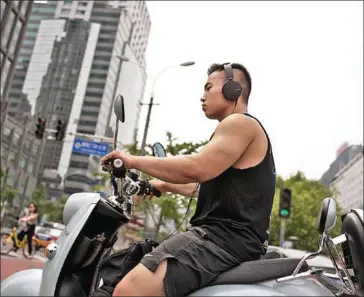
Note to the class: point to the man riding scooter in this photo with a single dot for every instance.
(233, 178)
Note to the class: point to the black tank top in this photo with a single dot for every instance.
(234, 208)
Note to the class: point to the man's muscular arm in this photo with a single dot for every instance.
(232, 136)
(189, 190)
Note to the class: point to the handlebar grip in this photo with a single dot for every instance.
(156, 192)
(118, 168)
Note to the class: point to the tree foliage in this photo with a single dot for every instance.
(8, 193)
(52, 210)
(307, 196)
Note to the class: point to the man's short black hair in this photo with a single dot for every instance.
(245, 80)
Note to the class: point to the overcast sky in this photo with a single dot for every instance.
(306, 63)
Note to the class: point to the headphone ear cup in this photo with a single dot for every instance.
(232, 90)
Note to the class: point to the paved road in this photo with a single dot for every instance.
(15, 262)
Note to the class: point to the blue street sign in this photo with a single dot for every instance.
(88, 147)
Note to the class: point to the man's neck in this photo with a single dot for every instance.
(240, 108)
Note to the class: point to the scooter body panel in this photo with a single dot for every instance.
(22, 283)
(65, 242)
(297, 287)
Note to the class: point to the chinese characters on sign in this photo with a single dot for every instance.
(88, 147)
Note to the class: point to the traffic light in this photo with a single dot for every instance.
(39, 132)
(61, 130)
(285, 203)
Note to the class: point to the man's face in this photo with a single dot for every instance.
(214, 104)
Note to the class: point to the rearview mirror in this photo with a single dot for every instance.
(158, 150)
(119, 108)
(326, 219)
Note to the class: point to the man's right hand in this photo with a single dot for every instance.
(158, 184)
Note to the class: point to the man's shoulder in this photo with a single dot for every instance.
(238, 122)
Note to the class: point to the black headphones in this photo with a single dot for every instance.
(231, 89)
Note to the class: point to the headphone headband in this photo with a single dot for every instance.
(228, 71)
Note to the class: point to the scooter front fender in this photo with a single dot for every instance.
(22, 283)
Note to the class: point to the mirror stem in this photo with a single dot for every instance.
(116, 134)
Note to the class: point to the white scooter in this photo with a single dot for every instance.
(92, 222)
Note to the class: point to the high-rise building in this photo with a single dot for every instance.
(109, 76)
(19, 154)
(124, 30)
(57, 76)
(14, 18)
(19, 105)
(343, 156)
(348, 184)
(139, 13)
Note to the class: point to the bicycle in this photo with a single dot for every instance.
(10, 241)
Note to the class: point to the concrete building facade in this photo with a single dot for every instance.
(348, 184)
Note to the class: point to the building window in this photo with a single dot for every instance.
(31, 33)
(35, 150)
(11, 156)
(7, 131)
(94, 104)
(66, 11)
(22, 163)
(16, 138)
(84, 4)
(99, 76)
(89, 113)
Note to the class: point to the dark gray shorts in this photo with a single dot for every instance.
(192, 261)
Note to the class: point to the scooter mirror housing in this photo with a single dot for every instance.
(119, 111)
(119, 108)
(158, 150)
(326, 219)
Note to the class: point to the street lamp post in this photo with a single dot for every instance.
(151, 99)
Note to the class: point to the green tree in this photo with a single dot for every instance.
(7, 195)
(104, 179)
(52, 210)
(307, 196)
(7, 192)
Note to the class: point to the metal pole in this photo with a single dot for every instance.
(40, 155)
(119, 72)
(22, 198)
(4, 115)
(282, 231)
(147, 123)
(145, 134)
(20, 151)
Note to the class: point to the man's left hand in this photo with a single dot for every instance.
(125, 157)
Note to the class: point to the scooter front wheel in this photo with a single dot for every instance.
(7, 244)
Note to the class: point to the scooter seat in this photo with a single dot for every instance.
(257, 271)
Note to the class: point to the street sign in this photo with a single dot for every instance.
(88, 147)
